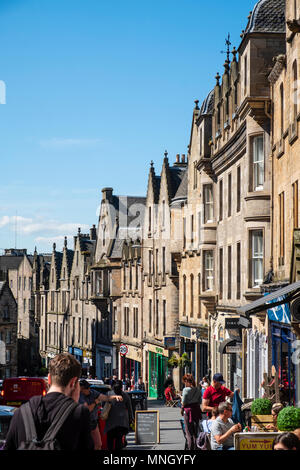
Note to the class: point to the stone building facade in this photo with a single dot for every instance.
(8, 332)
(160, 276)
(239, 169)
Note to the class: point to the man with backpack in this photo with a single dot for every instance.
(55, 421)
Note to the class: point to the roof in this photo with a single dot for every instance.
(264, 302)
(176, 176)
(268, 16)
(208, 104)
(10, 262)
(182, 191)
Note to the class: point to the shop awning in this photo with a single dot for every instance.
(286, 294)
(225, 346)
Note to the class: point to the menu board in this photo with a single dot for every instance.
(147, 427)
(254, 440)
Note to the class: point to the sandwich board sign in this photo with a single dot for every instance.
(254, 440)
(147, 427)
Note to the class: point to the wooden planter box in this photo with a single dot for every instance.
(261, 421)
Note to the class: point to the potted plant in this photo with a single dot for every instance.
(173, 362)
(288, 419)
(185, 361)
(261, 413)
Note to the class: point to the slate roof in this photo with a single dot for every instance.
(176, 176)
(10, 262)
(268, 16)
(208, 104)
(182, 191)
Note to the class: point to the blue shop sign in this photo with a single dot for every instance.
(77, 352)
(185, 331)
(70, 350)
(280, 313)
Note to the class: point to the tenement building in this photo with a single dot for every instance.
(240, 172)
(116, 285)
(160, 276)
(8, 332)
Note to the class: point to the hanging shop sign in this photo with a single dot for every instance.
(169, 342)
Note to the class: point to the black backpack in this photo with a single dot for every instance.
(49, 441)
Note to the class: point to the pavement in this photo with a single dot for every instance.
(171, 435)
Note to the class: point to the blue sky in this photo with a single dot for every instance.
(95, 90)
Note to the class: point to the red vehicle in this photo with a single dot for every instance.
(17, 390)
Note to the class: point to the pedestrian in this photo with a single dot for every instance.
(286, 441)
(276, 408)
(191, 410)
(119, 419)
(63, 380)
(223, 429)
(91, 399)
(204, 383)
(215, 394)
(207, 423)
(126, 383)
(168, 381)
(140, 385)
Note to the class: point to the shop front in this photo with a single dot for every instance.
(157, 360)
(282, 351)
(130, 362)
(194, 343)
(281, 339)
(103, 366)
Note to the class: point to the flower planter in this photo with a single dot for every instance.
(260, 421)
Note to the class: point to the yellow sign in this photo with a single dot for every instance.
(254, 441)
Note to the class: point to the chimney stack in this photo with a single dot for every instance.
(183, 158)
(107, 193)
(93, 233)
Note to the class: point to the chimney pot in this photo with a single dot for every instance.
(183, 158)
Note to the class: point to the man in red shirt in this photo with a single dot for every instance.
(215, 394)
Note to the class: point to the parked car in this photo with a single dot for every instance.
(17, 390)
(6, 413)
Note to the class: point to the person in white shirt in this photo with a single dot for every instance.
(223, 428)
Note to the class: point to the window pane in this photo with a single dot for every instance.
(258, 162)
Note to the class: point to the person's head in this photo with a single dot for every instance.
(286, 441)
(140, 380)
(214, 413)
(225, 409)
(297, 432)
(218, 380)
(117, 387)
(64, 372)
(276, 408)
(189, 380)
(85, 387)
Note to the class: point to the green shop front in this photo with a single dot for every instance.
(157, 370)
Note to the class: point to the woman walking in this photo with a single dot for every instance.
(191, 410)
(119, 418)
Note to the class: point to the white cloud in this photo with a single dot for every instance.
(29, 226)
